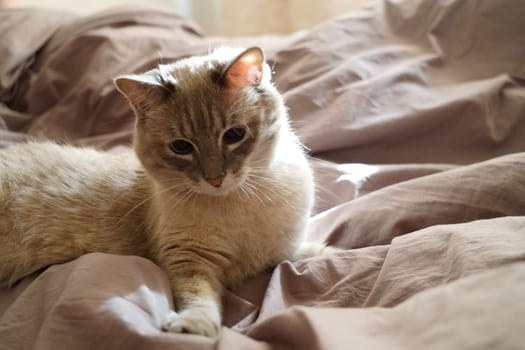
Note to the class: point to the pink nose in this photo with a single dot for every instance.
(217, 182)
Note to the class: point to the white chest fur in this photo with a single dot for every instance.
(242, 234)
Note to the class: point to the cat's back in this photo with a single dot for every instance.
(46, 169)
(46, 185)
(59, 202)
(37, 162)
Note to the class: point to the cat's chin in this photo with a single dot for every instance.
(214, 191)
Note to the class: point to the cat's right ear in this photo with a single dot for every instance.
(245, 70)
(143, 91)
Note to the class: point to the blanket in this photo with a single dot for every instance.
(414, 115)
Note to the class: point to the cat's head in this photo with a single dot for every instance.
(206, 123)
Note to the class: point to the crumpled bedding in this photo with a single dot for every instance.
(414, 114)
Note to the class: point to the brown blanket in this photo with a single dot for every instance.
(415, 115)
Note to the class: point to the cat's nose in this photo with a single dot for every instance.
(216, 182)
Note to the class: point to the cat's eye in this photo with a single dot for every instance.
(234, 135)
(181, 147)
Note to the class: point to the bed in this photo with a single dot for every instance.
(414, 115)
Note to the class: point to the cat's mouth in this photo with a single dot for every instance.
(219, 187)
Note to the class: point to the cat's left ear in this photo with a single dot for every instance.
(245, 70)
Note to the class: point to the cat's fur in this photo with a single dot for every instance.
(209, 218)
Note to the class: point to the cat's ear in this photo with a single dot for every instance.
(245, 70)
(143, 91)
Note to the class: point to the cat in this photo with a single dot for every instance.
(216, 188)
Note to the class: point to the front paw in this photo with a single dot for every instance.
(312, 249)
(192, 321)
(331, 250)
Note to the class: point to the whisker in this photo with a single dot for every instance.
(252, 191)
(183, 197)
(271, 190)
(155, 194)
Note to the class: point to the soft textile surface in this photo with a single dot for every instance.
(414, 112)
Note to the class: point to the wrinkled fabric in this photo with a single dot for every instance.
(414, 114)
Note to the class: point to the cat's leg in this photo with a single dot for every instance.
(197, 297)
(309, 249)
(16, 264)
(16, 261)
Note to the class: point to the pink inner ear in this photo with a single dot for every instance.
(245, 71)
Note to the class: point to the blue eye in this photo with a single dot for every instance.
(234, 135)
(181, 147)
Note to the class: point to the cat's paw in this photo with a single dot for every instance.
(312, 249)
(330, 250)
(192, 321)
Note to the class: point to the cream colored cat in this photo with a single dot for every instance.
(218, 187)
